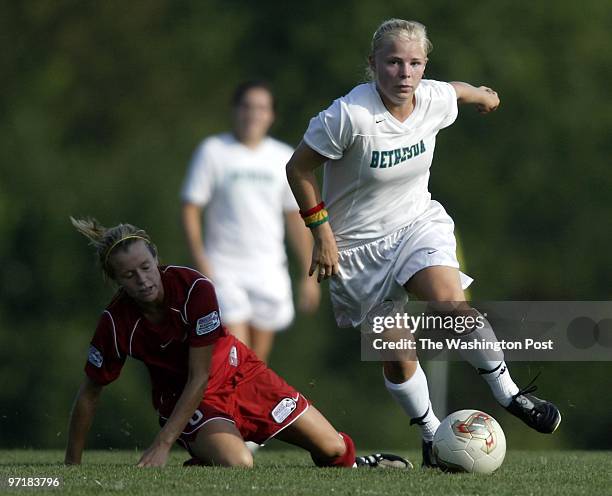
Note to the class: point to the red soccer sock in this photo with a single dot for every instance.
(345, 460)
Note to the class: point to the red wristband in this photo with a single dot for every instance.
(313, 210)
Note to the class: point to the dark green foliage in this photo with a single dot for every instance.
(103, 103)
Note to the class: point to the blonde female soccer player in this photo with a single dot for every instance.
(379, 233)
(210, 391)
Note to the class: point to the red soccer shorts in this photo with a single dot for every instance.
(260, 407)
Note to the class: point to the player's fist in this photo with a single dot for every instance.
(324, 253)
(489, 100)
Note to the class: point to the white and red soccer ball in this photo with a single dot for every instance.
(469, 441)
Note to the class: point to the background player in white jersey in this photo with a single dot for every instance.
(239, 178)
(386, 237)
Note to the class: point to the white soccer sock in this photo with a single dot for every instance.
(501, 384)
(484, 357)
(490, 363)
(413, 397)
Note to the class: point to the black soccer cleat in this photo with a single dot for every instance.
(383, 460)
(538, 414)
(429, 457)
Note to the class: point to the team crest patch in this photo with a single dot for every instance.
(95, 357)
(208, 323)
(284, 408)
(233, 357)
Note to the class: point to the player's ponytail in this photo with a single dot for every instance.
(90, 228)
(106, 240)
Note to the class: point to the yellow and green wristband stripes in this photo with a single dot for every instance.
(315, 216)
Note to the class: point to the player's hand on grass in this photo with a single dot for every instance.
(489, 100)
(156, 456)
(324, 253)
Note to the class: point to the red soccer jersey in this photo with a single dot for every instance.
(192, 320)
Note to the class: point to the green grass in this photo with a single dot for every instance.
(290, 472)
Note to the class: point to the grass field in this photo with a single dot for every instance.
(290, 472)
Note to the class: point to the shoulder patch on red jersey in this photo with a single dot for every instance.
(208, 323)
(95, 357)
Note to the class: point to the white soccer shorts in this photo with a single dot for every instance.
(377, 271)
(264, 302)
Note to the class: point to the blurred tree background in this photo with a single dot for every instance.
(103, 103)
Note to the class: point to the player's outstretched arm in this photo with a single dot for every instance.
(485, 99)
(199, 363)
(303, 182)
(81, 418)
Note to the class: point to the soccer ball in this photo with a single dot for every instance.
(469, 441)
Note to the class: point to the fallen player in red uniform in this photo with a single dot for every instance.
(211, 392)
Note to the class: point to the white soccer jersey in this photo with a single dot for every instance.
(376, 180)
(246, 192)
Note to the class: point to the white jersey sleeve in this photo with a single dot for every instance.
(200, 179)
(330, 132)
(444, 96)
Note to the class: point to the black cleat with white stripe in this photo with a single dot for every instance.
(383, 460)
(537, 413)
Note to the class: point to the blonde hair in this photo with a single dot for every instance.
(398, 28)
(106, 240)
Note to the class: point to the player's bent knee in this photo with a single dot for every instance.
(242, 459)
(245, 462)
(332, 448)
(336, 448)
(338, 454)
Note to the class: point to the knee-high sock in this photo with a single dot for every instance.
(345, 460)
(501, 383)
(413, 397)
(490, 364)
